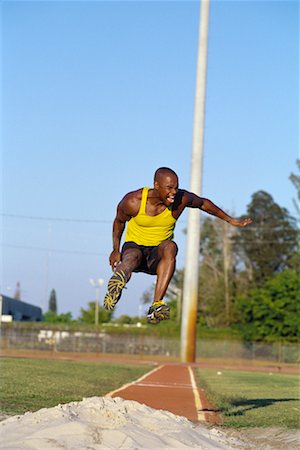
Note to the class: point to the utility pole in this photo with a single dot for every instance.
(190, 285)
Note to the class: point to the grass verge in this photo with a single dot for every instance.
(253, 399)
(32, 384)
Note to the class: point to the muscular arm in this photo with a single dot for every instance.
(125, 210)
(118, 229)
(117, 232)
(193, 201)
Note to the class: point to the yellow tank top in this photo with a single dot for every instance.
(150, 230)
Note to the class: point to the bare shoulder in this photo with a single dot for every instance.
(183, 198)
(186, 197)
(180, 203)
(132, 197)
(130, 203)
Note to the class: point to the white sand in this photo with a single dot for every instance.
(108, 423)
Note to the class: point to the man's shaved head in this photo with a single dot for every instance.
(166, 185)
(162, 172)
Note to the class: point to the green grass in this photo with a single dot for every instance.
(253, 399)
(32, 384)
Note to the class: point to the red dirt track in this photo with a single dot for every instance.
(168, 387)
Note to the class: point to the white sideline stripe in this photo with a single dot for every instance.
(198, 404)
(133, 382)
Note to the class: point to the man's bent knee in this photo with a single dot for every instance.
(168, 248)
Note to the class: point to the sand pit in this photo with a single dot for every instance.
(109, 423)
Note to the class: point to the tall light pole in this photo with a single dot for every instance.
(97, 284)
(190, 285)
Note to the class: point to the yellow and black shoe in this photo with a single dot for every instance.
(114, 290)
(158, 311)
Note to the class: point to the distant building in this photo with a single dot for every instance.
(19, 311)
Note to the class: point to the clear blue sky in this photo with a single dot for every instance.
(96, 95)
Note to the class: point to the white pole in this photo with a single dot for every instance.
(97, 284)
(97, 306)
(190, 286)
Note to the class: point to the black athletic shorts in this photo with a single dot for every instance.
(150, 258)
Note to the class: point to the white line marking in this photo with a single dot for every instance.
(198, 404)
(133, 382)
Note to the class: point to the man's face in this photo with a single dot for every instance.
(167, 187)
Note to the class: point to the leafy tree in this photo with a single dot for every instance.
(88, 315)
(274, 310)
(269, 244)
(53, 317)
(52, 302)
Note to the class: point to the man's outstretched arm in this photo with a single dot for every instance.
(209, 207)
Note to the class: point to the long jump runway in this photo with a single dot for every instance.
(170, 388)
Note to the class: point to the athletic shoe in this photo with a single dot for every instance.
(158, 311)
(114, 290)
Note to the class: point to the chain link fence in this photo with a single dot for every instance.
(105, 342)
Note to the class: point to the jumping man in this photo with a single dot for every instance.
(151, 215)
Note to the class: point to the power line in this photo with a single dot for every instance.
(55, 219)
(62, 219)
(44, 249)
(77, 220)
